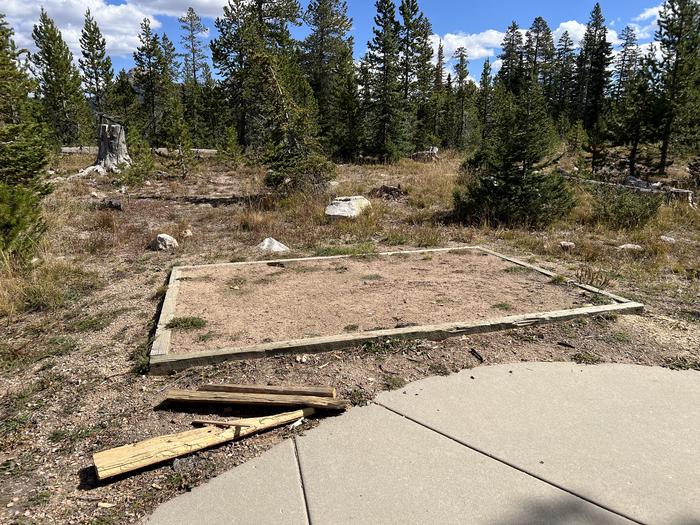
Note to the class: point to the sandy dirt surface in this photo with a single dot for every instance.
(260, 303)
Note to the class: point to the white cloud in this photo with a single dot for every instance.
(478, 45)
(650, 13)
(576, 31)
(205, 8)
(119, 23)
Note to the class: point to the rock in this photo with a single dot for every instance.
(272, 246)
(567, 245)
(98, 195)
(387, 192)
(187, 233)
(630, 248)
(350, 207)
(163, 242)
(110, 204)
(667, 239)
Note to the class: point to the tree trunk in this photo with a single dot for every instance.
(112, 148)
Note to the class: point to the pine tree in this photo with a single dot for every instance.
(512, 72)
(345, 131)
(422, 133)
(593, 75)
(194, 64)
(678, 35)
(149, 80)
(626, 64)
(484, 100)
(438, 96)
(388, 128)
(64, 107)
(95, 64)
(122, 99)
(326, 52)
(23, 154)
(461, 96)
(564, 81)
(505, 187)
(539, 56)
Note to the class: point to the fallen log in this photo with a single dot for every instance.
(128, 458)
(253, 399)
(320, 391)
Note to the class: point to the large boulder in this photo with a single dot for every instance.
(349, 207)
(271, 245)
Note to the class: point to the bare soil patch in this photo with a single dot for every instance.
(247, 304)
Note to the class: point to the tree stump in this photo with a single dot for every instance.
(112, 148)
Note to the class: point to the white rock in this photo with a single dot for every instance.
(630, 247)
(667, 239)
(163, 242)
(271, 245)
(350, 207)
(567, 245)
(187, 233)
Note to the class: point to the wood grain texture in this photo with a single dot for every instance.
(168, 363)
(127, 458)
(301, 390)
(253, 399)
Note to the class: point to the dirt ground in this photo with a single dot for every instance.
(73, 379)
(251, 304)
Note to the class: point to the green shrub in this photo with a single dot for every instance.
(142, 164)
(299, 172)
(531, 200)
(625, 209)
(21, 222)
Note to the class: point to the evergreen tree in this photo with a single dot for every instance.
(345, 131)
(122, 99)
(678, 35)
(484, 100)
(564, 81)
(505, 187)
(593, 75)
(438, 96)
(388, 129)
(539, 56)
(64, 107)
(194, 64)
(149, 80)
(95, 64)
(422, 133)
(326, 55)
(461, 96)
(626, 64)
(512, 73)
(23, 154)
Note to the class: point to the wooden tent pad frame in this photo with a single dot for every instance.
(162, 361)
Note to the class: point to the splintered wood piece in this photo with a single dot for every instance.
(131, 457)
(242, 398)
(320, 391)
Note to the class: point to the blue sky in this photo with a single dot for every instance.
(478, 26)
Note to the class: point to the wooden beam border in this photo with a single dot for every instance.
(162, 361)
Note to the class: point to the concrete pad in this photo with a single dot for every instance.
(266, 490)
(624, 436)
(372, 466)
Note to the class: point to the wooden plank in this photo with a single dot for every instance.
(300, 390)
(253, 399)
(234, 423)
(549, 273)
(165, 364)
(127, 458)
(161, 341)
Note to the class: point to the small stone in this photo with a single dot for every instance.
(630, 248)
(187, 233)
(567, 245)
(272, 245)
(163, 242)
(667, 239)
(98, 195)
(105, 505)
(349, 207)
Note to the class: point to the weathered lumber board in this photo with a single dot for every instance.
(320, 391)
(234, 423)
(131, 457)
(253, 399)
(167, 363)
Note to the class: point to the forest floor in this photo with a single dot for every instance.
(76, 331)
